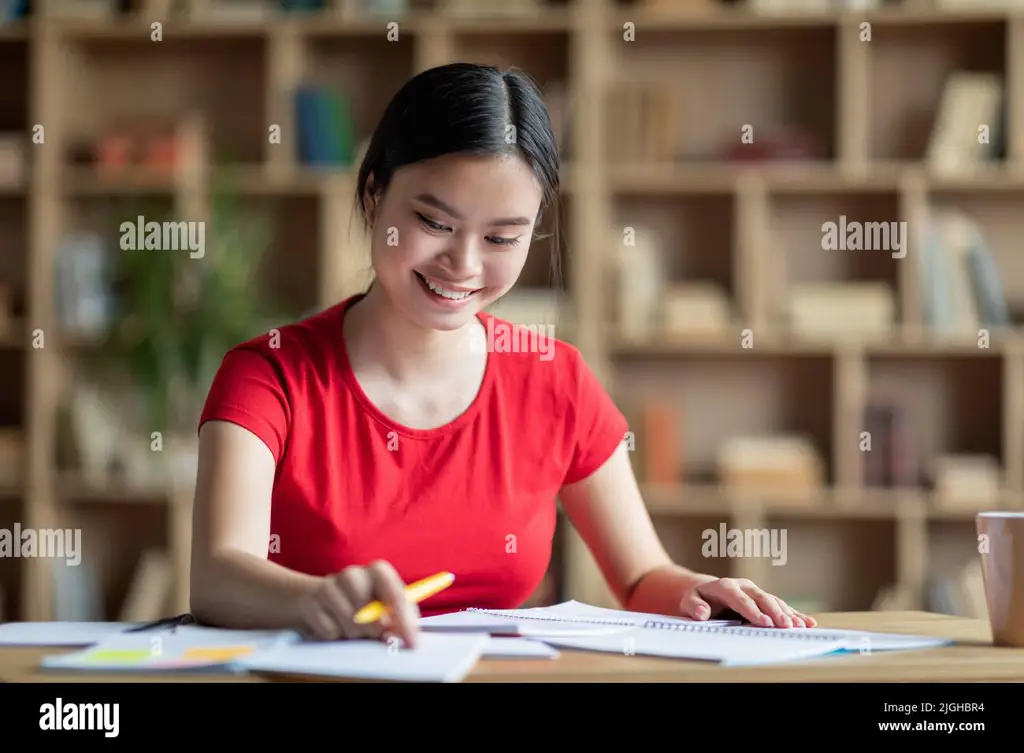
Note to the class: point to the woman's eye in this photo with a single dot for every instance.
(503, 241)
(431, 224)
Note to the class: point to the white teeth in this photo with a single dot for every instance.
(446, 293)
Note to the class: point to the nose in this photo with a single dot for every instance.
(463, 259)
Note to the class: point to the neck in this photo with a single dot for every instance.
(378, 332)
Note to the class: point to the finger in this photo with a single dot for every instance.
(389, 588)
(795, 616)
(737, 599)
(771, 607)
(356, 584)
(337, 605)
(320, 624)
(693, 606)
(808, 620)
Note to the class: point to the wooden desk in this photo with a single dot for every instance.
(973, 659)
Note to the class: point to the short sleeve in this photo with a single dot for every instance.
(599, 426)
(248, 390)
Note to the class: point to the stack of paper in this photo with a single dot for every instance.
(572, 625)
(59, 634)
(436, 658)
(187, 648)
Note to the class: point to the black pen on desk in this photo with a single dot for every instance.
(169, 622)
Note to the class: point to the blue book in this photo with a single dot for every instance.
(337, 126)
(300, 6)
(13, 10)
(311, 114)
(987, 282)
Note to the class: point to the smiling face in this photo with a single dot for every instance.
(451, 235)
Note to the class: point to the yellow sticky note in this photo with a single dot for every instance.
(114, 656)
(216, 654)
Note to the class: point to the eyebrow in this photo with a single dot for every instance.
(435, 202)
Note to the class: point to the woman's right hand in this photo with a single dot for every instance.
(328, 612)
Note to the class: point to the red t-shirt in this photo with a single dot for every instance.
(476, 497)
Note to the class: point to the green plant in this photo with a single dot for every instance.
(177, 315)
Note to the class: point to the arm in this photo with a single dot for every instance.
(232, 583)
(243, 431)
(608, 511)
(603, 501)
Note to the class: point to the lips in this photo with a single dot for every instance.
(444, 285)
(440, 300)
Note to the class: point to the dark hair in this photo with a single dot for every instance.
(464, 108)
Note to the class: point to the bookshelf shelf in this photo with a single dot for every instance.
(841, 125)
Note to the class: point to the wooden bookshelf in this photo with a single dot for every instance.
(867, 105)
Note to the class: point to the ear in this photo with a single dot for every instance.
(370, 198)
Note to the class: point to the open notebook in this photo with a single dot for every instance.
(572, 625)
(570, 618)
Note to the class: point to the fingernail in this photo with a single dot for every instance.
(702, 613)
(767, 621)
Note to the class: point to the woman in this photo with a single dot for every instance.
(387, 438)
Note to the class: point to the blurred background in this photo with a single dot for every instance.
(786, 243)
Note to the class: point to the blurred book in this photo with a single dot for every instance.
(240, 10)
(660, 454)
(492, 7)
(694, 310)
(13, 160)
(72, 10)
(961, 284)
(12, 457)
(861, 310)
(302, 6)
(967, 482)
(889, 457)
(393, 8)
(638, 273)
(326, 127)
(532, 306)
(971, 108)
(790, 6)
(77, 594)
(644, 122)
(785, 464)
(13, 10)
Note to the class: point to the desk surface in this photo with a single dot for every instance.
(972, 659)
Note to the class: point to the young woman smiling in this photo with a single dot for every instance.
(384, 439)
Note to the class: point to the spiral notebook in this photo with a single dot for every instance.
(573, 625)
(565, 619)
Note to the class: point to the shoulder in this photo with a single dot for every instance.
(308, 341)
(533, 356)
(555, 397)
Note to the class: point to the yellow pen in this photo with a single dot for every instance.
(415, 592)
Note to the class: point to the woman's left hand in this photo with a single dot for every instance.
(711, 596)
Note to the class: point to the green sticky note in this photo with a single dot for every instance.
(112, 656)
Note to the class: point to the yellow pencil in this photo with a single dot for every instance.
(415, 592)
